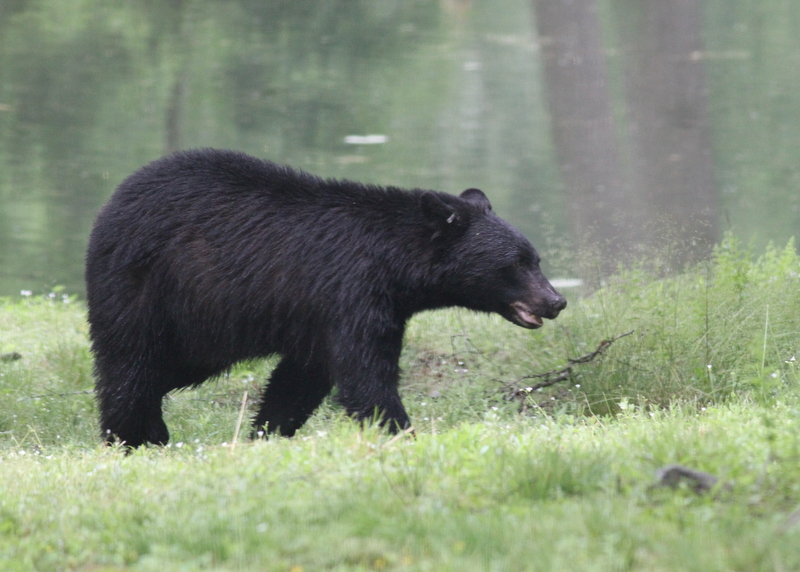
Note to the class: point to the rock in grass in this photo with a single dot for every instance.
(673, 475)
(11, 356)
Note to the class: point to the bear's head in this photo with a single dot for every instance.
(487, 264)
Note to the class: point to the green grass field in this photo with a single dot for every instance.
(497, 478)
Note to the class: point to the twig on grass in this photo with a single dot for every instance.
(239, 421)
(54, 394)
(400, 435)
(554, 376)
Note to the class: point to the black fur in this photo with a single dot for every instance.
(205, 258)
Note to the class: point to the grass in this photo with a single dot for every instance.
(568, 485)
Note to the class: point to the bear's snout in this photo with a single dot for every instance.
(556, 302)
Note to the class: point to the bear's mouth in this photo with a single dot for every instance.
(522, 316)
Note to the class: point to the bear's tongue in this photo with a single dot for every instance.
(525, 317)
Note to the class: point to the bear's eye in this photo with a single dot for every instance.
(522, 262)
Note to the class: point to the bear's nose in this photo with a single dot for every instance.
(559, 303)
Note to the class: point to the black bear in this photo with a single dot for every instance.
(208, 257)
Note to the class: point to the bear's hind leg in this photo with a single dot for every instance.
(137, 422)
(294, 391)
(130, 406)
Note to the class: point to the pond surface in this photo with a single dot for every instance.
(615, 124)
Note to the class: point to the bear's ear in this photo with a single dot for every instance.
(446, 219)
(478, 199)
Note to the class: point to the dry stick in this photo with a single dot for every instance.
(400, 435)
(563, 374)
(239, 421)
(53, 394)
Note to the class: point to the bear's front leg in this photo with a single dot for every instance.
(367, 373)
(388, 411)
(295, 390)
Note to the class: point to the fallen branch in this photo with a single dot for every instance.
(552, 377)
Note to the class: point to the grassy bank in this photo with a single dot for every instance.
(498, 478)
(548, 495)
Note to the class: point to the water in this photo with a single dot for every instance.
(595, 124)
